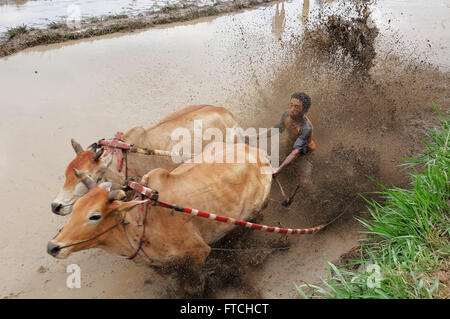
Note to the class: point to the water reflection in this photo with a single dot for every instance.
(16, 2)
(279, 20)
(305, 12)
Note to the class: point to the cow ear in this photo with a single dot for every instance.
(117, 194)
(106, 185)
(107, 161)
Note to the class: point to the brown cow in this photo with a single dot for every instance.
(238, 190)
(155, 137)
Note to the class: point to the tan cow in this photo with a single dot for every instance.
(237, 190)
(155, 137)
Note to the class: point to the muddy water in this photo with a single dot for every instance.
(248, 62)
(40, 13)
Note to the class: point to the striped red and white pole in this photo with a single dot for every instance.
(148, 191)
(116, 144)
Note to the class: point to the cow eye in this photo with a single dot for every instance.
(95, 217)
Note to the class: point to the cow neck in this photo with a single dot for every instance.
(116, 242)
(121, 239)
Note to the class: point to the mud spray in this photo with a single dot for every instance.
(369, 109)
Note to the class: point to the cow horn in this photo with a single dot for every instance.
(76, 146)
(116, 195)
(98, 154)
(89, 182)
(93, 147)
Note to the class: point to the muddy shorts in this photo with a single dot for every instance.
(303, 164)
(305, 167)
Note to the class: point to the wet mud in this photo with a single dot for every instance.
(227, 267)
(344, 40)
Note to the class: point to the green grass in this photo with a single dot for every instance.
(13, 32)
(211, 11)
(55, 25)
(408, 235)
(118, 16)
(169, 8)
(94, 20)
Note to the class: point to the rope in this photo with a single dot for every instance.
(166, 259)
(153, 195)
(281, 188)
(93, 237)
(143, 239)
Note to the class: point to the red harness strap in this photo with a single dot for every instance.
(118, 146)
(119, 152)
(142, 219)
(119, 135)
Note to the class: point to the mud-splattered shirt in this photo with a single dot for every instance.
(301, 132)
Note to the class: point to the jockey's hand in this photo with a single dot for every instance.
(276, 171)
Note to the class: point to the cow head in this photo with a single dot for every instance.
(88, 161)
(93, 218)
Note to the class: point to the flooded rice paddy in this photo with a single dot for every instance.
(41, 13)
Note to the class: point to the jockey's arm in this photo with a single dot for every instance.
(288, 160)
(300, 147)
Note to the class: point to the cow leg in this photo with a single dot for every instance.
(192, 276)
